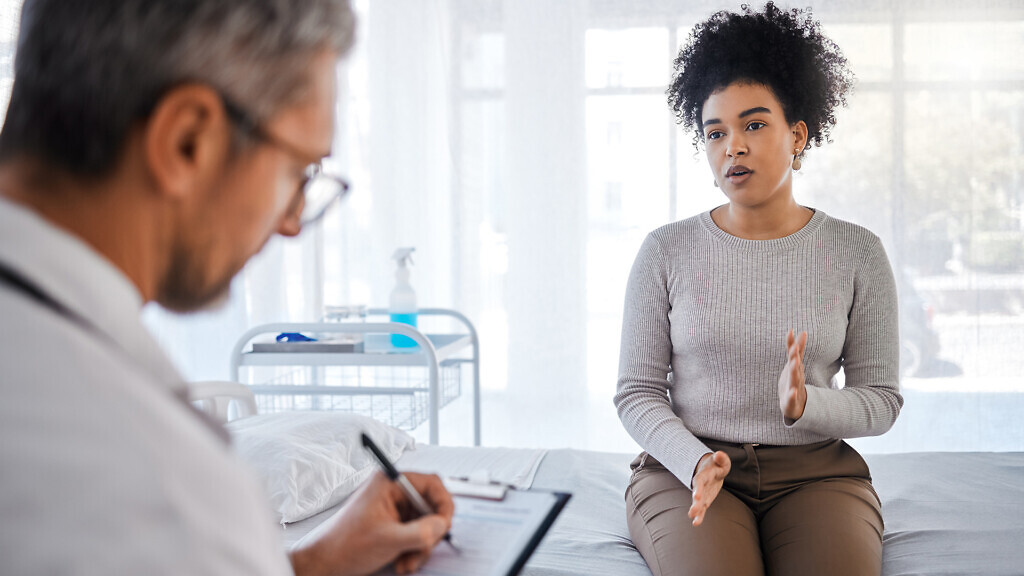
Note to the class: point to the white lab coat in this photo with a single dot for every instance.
(103, 468)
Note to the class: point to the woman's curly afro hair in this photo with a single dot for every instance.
(784, 51)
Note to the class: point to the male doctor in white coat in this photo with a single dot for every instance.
(151, 147)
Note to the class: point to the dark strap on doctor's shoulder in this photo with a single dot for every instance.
(26, 287)
(20, 284)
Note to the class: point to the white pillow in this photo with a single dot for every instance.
(310, 461)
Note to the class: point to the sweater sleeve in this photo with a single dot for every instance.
(645, 362)
(870, 401)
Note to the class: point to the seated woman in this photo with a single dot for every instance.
(737, 321)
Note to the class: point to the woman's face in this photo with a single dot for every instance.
(750, 145)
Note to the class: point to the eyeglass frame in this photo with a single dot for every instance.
(248, 125)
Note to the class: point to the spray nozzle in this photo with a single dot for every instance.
(403, 256)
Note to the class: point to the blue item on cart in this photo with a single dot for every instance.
(294, 337)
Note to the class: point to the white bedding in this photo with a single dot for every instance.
(945, 513)
(514, 466)
(951, 513)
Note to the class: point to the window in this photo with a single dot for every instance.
(526, 149)
(927, 155)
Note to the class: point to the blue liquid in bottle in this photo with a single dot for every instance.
(401, 340)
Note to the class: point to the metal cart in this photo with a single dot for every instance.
(394, 391)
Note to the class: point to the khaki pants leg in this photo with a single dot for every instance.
(784, 511)
(819, 513)
(829, 527)
(657, 504)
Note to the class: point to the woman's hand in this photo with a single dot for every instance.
(792, 393)
(707, 483)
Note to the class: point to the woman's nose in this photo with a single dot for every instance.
(737, 146)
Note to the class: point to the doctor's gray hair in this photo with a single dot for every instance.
(86, 71)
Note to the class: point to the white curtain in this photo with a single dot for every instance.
(524, 147)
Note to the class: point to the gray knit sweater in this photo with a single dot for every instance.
(704, 337)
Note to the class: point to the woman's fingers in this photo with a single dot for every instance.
(698, 507)
(698, 518)
(795, 345)
(722, 464)
(707, 484)
(792, 380)
(798, 365)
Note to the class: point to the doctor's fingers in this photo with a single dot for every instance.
(434, 492)
(420, 535)
(411, 562)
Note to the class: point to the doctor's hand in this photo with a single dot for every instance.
(707, 483)
(376, 526)
(792, 393)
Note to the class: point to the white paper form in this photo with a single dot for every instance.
(514, 466)
(491, 535)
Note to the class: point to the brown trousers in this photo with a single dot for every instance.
(783, 511)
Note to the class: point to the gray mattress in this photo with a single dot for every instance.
(945, 513)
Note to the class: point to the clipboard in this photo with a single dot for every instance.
(496, 527)
(561, 498)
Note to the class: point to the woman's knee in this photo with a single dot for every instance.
(832, 526)
(657, 516)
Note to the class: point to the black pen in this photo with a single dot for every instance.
(407, 488)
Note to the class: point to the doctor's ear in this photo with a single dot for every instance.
(186, 140)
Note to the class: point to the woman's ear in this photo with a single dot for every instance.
(186, 140)
(799, 135)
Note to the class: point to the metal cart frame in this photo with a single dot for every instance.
(432, 351)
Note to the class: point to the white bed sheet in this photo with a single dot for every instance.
(514, 466)
(951, 513)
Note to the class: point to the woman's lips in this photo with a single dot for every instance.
(738, 174)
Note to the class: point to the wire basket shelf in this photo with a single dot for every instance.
(396, 395)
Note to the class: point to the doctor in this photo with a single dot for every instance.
(151, 147)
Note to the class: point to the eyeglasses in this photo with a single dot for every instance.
(317, 191)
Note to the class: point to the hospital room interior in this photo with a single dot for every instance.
(524, 149)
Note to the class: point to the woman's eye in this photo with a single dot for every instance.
(756, 125)
(714, 135)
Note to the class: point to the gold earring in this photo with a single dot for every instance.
(796, 161)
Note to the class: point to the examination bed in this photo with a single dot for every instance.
(946, 513)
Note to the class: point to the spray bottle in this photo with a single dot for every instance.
(403, 299)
